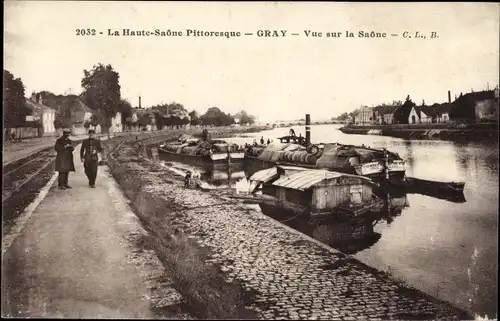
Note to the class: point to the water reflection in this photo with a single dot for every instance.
(349, 236)
(210, 177)
(228, 177)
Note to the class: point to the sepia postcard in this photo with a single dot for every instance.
(250, 160)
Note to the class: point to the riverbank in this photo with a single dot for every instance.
(472, 132)
(230, 260)
(227, 131)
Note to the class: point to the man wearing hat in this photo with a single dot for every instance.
(64, 158)
(89, 156)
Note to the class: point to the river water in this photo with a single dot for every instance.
(447, 249)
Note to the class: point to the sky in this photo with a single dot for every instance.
(273, 78)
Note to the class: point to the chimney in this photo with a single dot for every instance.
(33, 96)
(308, 129)
(139, 101)
(449, 96)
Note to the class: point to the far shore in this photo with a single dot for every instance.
(443, 131)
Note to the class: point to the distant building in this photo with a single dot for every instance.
(415, 116)
(384, 114)
(364, 116)
(476, 106)
(406, 114)
(116, 124)
(437, 113)
(74, 111)
(42, 113)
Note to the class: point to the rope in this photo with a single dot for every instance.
(295, 215)
(204, 206)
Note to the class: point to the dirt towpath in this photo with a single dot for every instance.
(79, 256)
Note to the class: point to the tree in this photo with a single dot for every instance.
(245, 118)
(15, 109)
(401, 114)
(343, 116)
(172, 114)
(129, 122)
(58, 123)
(102, 91)
(194, 118)
(96, 119)
(214, 116)
(125, 108)
(144, 120)
(160, 121)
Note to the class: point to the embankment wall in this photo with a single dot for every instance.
(423, 132)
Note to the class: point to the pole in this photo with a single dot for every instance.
(386, 164)
(308, 129)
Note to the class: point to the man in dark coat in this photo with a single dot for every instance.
(89, 156)
(204, 134)
(64, 158)
(187, 179)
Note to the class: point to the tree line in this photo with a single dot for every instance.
(14, 103)
(102, 93)
(176, 115)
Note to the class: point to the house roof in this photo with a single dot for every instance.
(304, 180)
(436, 109)
(266, 175)
(418, 110)
(479, 95)
(297, 177)
(75, 103)
(77, 108)
(36, 107)
(387, 109)
(83, 106)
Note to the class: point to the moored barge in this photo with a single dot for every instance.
(314, 192)
(295, 150)
(349, 159)
(202, 152)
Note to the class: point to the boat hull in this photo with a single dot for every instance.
(452, 191)
(376, 169)
(253, 164)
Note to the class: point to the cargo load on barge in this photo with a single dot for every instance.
(188, 149)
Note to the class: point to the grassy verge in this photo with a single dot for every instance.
(203, 285)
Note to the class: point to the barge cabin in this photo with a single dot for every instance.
(320, 193)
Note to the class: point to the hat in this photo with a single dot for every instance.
(67, 130)
(91, 131)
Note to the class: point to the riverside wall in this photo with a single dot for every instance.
(230, 260)
(473, 132)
